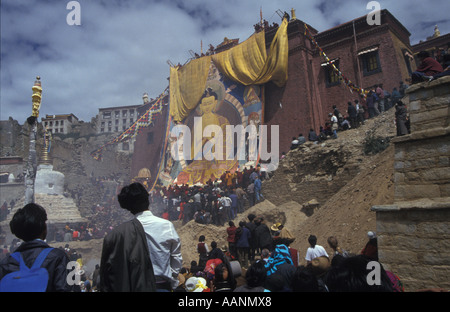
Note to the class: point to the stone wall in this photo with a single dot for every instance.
(414, 232)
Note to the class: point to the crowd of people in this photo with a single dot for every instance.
(271, 265)
(147, 237)
(216, 202)
(377, 101)
(258, 258)
(262, 253)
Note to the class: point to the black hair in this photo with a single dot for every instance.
(210, 92)
(28, 223)
(423, 54)
(337, 260)
(352, 275)
(134, 198)
(304, 280)
(218, 272)
(312, 240)
(201, 238)
(256, 274)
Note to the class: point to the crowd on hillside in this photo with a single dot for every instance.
(267, 262)
(216, 202)
(271, 265)
(377, 101)
(264, 254)
(149, 242)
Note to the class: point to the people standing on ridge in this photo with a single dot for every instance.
(334, 124)
(381, 100)
(202, 249)
(262, 235)
(231, 238)
(352, 115)
(243, 237)
(251, 225)
(258, 196)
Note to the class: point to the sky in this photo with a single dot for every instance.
(121, 48)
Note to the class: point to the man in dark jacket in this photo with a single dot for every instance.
(251, 226)
(125, 264)
(312, 136)
(28, 224)
(263, 236)
(352, 115)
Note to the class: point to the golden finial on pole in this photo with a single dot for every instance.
(37, 97)
(293, 17)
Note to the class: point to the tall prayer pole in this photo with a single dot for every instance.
(31, 168)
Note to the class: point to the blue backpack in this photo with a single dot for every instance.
(34, 279)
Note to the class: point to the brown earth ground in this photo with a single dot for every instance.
(322, 189)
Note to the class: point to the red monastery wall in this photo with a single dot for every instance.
(306, 99)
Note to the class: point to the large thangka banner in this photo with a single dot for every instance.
(216, 109)
(225, 106)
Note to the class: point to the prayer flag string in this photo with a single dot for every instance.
(143, 122)
(352, 87)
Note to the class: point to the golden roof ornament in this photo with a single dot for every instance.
(293, 16)
(437, 33)
(37, 97)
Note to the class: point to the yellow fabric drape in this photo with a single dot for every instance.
(249, 64)
(187, 85)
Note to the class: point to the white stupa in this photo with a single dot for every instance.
(49, 193)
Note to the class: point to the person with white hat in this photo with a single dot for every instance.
(371, 248)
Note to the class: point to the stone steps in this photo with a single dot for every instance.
(60, 209)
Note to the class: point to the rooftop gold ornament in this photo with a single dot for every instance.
(293, 16)
(37, 97)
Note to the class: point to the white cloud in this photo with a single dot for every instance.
(120, 50)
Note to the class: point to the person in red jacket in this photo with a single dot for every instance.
(427, 69)
(231, 238)
(371, 248)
